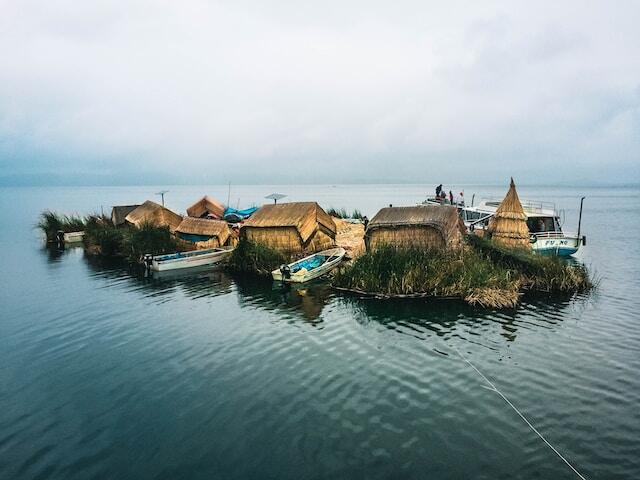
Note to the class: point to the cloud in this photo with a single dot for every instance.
(320, 91)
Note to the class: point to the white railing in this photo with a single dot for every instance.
(555, 234)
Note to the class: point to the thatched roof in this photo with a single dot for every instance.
(205, 227)
(441, 217)
(206, 205)
(509, 224)
(151, 212)
(120, 212)
(303, 216)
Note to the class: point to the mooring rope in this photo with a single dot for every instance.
(495, 389)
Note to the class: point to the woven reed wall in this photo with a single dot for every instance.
(320, 241)
(409, 236)
(287, 239)
(283, 239)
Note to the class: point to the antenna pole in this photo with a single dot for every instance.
(161, 193)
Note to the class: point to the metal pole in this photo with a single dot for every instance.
(580, 219)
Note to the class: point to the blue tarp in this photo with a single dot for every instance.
(231, 214)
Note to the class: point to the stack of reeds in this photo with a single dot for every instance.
(508, 226)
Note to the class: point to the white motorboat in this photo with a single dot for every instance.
(543, 220)
(310, 267)
(196, 258)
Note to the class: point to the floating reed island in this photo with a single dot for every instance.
(422, 251)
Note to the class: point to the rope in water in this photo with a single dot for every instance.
(495, 389)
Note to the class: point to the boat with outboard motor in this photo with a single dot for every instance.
(544, 223)
(195, 258)
(310, 267)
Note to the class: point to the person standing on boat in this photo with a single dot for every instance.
(451, 197)
(438, 190)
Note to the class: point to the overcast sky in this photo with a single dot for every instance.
(149, 91)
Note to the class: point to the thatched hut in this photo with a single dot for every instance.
(119, 214)
(292, 228)
(422, 226)
(509, 224)
(203, 232)
(206, 207)
(151, 212)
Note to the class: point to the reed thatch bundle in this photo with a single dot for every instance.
(153, 214)
(297, 227)
(206, 206)
(422, 226)
(508, 226)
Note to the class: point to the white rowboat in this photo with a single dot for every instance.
(196, 258)
(310, 267)
(73, 237)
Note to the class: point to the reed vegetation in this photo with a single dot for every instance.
(150, 239)
(391, 271)
(538, 272)
(482, 273)
(255, 258)
(342, 213)
(52, 222)
(103, 238)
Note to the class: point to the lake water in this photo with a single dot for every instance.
(107, 375)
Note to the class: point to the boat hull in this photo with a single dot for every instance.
(209, 258)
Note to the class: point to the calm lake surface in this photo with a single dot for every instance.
(104, 374)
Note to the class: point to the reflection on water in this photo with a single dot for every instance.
(307, 301)
(108, 373)
(441, 317)
(304, 301)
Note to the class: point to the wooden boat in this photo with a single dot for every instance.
(196, 258)
(310, 267)
(73, 237)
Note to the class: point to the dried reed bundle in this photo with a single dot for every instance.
(508, 226)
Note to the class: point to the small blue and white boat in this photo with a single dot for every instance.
(310, 267)
(196, 258)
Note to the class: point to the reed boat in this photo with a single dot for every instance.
(73, 237)
(310, 267)
(543, 220)
(196, 258)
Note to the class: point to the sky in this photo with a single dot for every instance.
(153, 92)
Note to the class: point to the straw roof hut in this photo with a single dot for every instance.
(206, 207)
(203, 232)
(151, 212)
(300, 227)
(422, 226)
(120, 212)
(509, 224)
